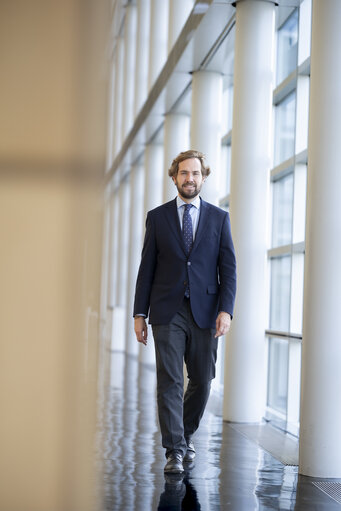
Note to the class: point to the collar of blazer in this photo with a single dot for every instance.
(173, 220)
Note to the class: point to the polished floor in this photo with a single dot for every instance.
(231, 472)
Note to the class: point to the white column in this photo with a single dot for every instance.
(158, 39)
(120, 311)
(207, 89)
(320, 446)
(135, 247)
(153, 191)
(244, 397)
(117, 128)
(179, 11)
(113, 250)
(142, 54)
(105, 257)
(123, 242)
(176, 139)
(129, 68)
(154, 177)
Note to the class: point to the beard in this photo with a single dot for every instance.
(188, 192)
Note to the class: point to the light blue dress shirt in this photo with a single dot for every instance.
(194, 212)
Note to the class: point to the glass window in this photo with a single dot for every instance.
(278, 375)
(287, 47)
(285, 129)
(282, 210)
(280, 293)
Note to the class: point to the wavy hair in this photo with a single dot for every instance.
(186, 155)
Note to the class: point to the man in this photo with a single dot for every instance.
(186, 283)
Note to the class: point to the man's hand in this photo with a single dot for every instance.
(141, 329)
(222, 324)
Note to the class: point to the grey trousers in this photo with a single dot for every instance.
(182, 340)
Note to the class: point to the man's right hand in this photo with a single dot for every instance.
(141, 329)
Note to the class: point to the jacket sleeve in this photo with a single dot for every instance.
(227, 269)
(146, 271)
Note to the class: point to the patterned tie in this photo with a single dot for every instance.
(187, 228)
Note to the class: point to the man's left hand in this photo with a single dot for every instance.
(222, 324)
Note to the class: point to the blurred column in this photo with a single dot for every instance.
(207, 90)
(129, 68)
(135, 246)
(158, 39)
(320, 447)
(122, 266)
(179, 11)
(176, 139)
(52, 163)
(153, 192)
(142, 54)
(117, 128)
(244, 397)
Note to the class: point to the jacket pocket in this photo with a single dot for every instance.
(212, 289)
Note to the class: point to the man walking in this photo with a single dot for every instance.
(186, 284)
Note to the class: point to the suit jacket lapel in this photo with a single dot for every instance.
(173, 220)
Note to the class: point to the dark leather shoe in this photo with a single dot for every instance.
(174, 463)
(190, 454)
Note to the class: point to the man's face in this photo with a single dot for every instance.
(189, 178)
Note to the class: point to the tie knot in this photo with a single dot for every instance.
(188, 207)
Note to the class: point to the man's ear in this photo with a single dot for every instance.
(174, 180)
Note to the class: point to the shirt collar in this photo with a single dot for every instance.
(195, 203)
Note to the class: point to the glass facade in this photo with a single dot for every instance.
(287, 45)
(278, 375)
(282, 211)
(286, 252)
(285, 129)
(280, 293)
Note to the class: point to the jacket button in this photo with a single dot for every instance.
(185, 283)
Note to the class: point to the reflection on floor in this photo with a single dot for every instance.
(230, 472)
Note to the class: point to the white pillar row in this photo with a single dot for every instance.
(207, 90)
(117, 128)
(153, 197)
(179, 11)
(158, 39)
(129, 68)
(142, 54)
(320, 446)
(135, 246)
(176, 139)
(244, 397)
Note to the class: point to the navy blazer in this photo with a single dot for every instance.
(165, 268)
